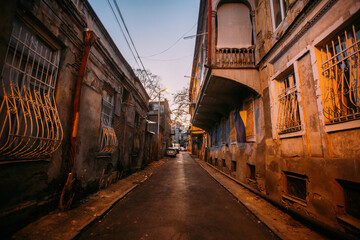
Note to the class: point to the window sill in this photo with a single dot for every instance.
(103, 155)
(295, 200)
(342, 126)
(292, 134)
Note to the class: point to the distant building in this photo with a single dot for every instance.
(165, 124)
(44, 46)
(275, 87)
(179, 134)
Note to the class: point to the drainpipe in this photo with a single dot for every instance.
(89, 40)
(67, 193)
(209, 34)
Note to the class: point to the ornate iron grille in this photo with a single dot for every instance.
(108, 141)
(288, 106)
(340, 68)
(30, 126)
(107, 109)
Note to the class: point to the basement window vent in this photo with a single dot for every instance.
(233, 166)
(251, 172)
(352, 197)
(295, 186)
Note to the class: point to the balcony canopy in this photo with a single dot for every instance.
(218, 97)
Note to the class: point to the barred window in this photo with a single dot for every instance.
(288, 107)
(30, 126)
(108, 141)
(107, 112)
(340, 69)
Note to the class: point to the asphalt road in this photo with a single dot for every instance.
(180, 201)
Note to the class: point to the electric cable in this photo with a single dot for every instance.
(178, 40)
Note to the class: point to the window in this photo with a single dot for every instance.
(251, 172)
(30, 126)
(352, 197)
(107, 112)
(234, 26)
(340, 69)
(155, 106)
(125, 95)
(288, 107)
(296, 186)
(233, 166)
(137, 120)
(108, 141)
(278, 10)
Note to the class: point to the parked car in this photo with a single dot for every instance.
(171, 152)
(182, 149)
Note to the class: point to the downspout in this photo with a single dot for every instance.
(89, 40)
(67, 195)
(209, 34)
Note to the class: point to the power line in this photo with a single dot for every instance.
(132, 42)
(178, 40)
(122, 31)
(168, 60)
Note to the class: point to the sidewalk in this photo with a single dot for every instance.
(283, 225)
(67, 225)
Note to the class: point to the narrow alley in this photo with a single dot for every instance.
(181, 202)
(191, 119)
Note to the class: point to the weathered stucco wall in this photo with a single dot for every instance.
(30, 187)
(317, 158)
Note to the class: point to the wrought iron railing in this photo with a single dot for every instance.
(235, 57)
(340, 68)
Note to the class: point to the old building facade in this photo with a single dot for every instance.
(164, 123)
(69, 103)
(275, 85)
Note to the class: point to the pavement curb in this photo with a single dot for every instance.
(104, 211)
(280, 223)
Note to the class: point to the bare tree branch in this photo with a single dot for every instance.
(150, 81)
(180, 106)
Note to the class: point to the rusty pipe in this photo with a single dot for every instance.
(209, 34)
(89, 40)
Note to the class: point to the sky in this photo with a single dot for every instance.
(155, 25)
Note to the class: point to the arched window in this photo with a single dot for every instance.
(234, 26)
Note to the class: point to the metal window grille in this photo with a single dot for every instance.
(30, 126)
(107, 112)
(340, 68)
(108, 141)
(288, 106)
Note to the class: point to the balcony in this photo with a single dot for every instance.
(235, 57)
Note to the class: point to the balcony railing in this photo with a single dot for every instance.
(235, 57)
